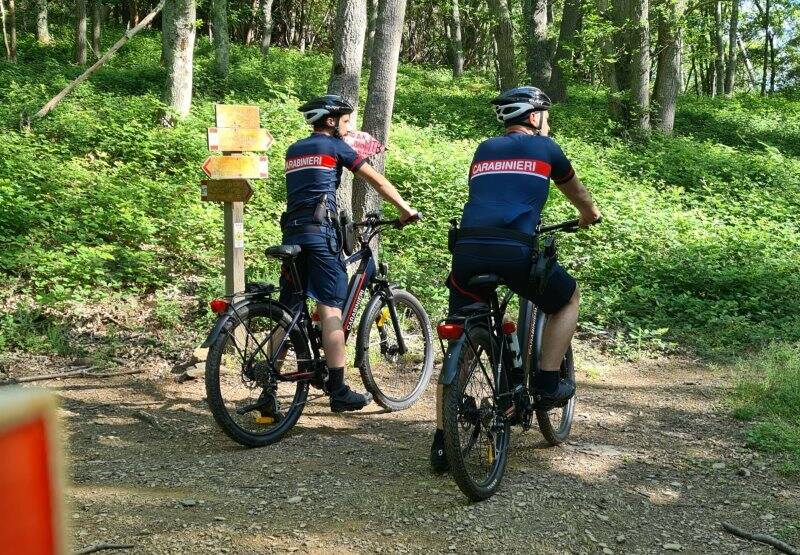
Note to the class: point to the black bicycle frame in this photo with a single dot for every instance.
(361, 279)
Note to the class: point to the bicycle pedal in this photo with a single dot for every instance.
(265, 420)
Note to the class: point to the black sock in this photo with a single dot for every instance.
(335, 378)
(547, 381)
(438, 437)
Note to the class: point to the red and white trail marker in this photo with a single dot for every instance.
(364, 144)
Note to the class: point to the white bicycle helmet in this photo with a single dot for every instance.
(323, 106)
(515, 104)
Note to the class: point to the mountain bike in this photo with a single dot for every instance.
(486, 391)
(264, 356)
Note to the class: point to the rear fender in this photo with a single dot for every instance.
(451, 358)
(228, 318)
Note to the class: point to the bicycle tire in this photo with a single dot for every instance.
(365, 328)
(558, 435)
(214, 394)
(453, 400)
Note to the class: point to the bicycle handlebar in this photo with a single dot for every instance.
(373, 221)
(568, 226)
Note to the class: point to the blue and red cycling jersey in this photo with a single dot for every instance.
(509, 181)
(314, 167)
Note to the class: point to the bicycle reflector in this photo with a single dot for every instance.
(450, 332)
(219, 305)
(509, 327)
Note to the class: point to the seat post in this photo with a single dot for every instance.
(298, 287)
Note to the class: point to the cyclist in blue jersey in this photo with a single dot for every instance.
(508, 187)
(313, 172)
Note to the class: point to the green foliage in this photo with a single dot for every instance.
(700, 237)
(29, 329)
(767, 391)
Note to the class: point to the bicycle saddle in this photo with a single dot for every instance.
(283, 251)
(485, 280)
(472, 309)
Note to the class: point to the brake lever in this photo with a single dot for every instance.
(412, 220)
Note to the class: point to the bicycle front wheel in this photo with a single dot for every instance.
(396, 374)
(556, 423)
(476, 433)
(249, 399)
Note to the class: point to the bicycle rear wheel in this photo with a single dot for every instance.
(476, 434)
(249, 401)
(395, 380)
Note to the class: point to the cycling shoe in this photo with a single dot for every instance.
(439, 462)
(345, 399)
(554, 399)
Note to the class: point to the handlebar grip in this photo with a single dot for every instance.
(412, 220)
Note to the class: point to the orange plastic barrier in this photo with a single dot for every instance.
(31, 510)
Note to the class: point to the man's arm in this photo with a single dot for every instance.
(385, 189)
(580, 198)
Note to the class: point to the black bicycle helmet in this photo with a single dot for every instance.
(323, 106)
(515, 104)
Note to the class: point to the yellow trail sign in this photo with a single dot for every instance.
(237, 115)
(225, 190)
(236, 167)
(238, 139)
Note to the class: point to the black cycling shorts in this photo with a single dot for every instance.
(321, 268)
(511, 261)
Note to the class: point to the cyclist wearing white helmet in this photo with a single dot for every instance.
(508, 186)
(313, 171)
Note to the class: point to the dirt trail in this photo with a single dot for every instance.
(654, 465)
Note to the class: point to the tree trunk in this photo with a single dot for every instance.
(380, 95)
(134, 14)
(3, 17)
(751, 74)
(766, 49)
(563, 56)
(455, 40)
(719, 51)
(219, 30)
(180, 41)
(11, 25)
(252, 23)
(504, 35)
(348, 52)
(166, 23)
(303, 20)
(97, 19)
(632, 68)
(607, 68)
(80, 32)
(696, 70)
(640, 64)
(733, 33)
(669, 64)
(42, 29)
(266, 23)
(537, 45)
(372, 16)
(772, 63)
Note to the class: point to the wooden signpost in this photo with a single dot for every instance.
(238, 129)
